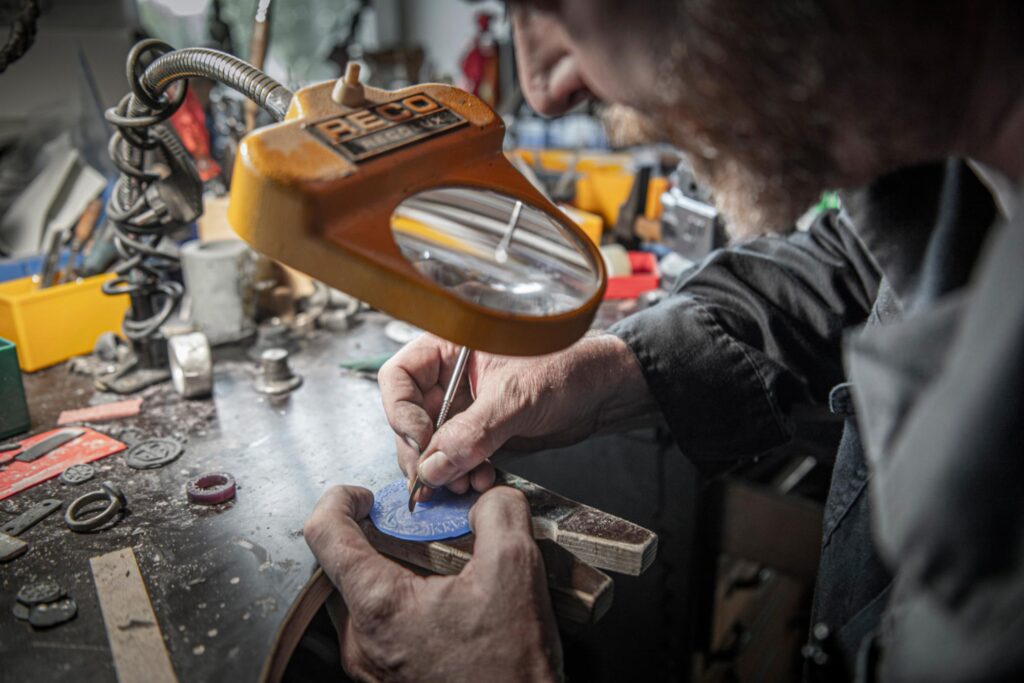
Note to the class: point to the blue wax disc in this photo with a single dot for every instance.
(445, 515)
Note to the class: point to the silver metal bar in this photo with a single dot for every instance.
(501, 253)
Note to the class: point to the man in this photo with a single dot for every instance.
(921, 575)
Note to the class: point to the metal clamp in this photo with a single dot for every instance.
(110, 493)
(191, 364)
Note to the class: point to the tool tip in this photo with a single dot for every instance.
(412, 494)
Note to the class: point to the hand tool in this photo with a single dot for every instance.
(30, 517)
(11, 547)
(446, 404)
(48, 444)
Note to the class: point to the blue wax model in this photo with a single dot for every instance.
(445, 515)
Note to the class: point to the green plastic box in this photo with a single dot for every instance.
(13, 409)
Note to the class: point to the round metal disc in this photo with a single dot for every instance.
(41, 591)
(21, 611)
(78, 474)
(153, 453)
(445, 515)
(53, 613)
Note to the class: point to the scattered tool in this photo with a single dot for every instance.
(48, 444)
(108, 493)
(90, 446)
(11, 547)
(136, 644)
(211, 489)
(44, 604)
(30, 517)
(101, 413)
(371, 365)
(42, 591)
(191, 362)
(53, 613)
(276, 376)
(77, 474)
(153, 453)
(446, 404)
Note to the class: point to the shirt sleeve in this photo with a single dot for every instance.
(750, 332)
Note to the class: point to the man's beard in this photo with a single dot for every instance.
(758, 190)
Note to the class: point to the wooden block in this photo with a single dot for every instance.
(136, 643)
(598, 538)
(575, 540)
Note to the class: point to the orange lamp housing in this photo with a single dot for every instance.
(317, 192)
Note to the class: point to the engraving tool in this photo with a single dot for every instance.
(446, 404)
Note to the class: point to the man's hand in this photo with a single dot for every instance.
(536, 402)
(492, 622)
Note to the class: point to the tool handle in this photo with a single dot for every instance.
(453, 385)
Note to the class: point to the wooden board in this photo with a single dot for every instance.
(597, 538)
(135, 639)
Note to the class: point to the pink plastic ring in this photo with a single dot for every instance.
(211, 489)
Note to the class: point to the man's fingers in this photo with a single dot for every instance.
(504, 533)
(410, 421)
(465, 441)
(482, 477)
(459, 485)
(332, 533)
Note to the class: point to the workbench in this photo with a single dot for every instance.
(222, 579)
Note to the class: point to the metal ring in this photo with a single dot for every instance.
(115, 503)
(211, 489)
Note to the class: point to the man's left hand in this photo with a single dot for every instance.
(493, 621)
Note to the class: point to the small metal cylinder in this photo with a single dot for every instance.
(275, 375)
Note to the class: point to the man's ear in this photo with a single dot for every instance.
(549, 73)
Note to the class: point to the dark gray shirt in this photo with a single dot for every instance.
(926, 287)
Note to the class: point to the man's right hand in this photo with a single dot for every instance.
(535, 402)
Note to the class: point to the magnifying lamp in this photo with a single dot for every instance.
(405, 199)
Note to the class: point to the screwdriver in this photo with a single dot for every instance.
(446, 405)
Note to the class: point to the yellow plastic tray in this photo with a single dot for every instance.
(53, 324)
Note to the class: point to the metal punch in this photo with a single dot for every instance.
(446, 405)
